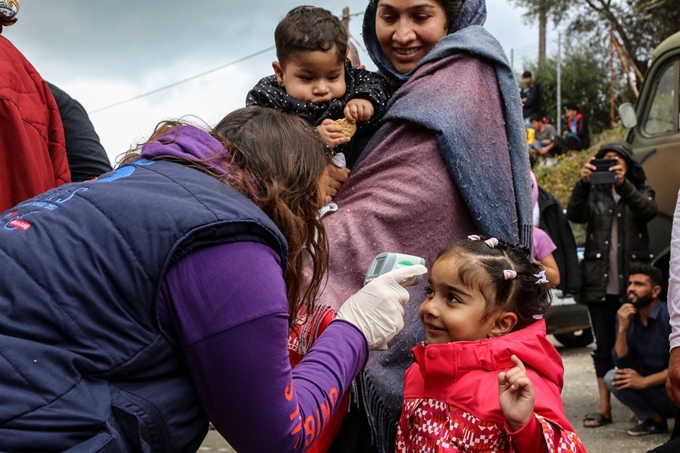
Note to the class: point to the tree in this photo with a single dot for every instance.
(539, 10)
(584, 81)
(640, 24)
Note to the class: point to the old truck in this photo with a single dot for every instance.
(653, 125)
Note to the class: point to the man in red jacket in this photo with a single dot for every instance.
(32, 147)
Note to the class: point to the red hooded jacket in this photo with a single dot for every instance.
(451, 397)
(32, 146)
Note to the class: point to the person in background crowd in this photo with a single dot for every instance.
(544, 136)
(424, 180)
(531, 98)
(544, 247)
(576, 136)
(549, 217)
(32, 147)
(127, 326)
(616, 217)
(641, 353)
(86, 156)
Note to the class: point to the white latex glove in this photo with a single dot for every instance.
(378, 308)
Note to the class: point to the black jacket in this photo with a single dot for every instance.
(555, 223)
(361, 84)
(533, 100)
(86, 156)
(595, 206)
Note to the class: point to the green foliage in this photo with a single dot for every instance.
(559, 179)
(556, 9)
(641, 24)
(584, 81)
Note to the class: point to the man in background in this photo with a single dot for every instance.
(544, 137)
(641, 353)
(576, 136)
(531, 98)
(86, 156)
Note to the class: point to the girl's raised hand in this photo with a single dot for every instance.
(516, 395)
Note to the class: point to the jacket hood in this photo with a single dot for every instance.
(635, 173)
(464, 373)
(529, 344)
(189, 143)
(472, 13)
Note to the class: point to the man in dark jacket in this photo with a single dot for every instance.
(531, 98)
(616, 216)
(86, 156)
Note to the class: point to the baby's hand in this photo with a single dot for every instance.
(516, 395)
(358, 110)
(331, 133)
(331, 180)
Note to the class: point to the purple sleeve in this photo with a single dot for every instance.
(543, 245)
(227, 307)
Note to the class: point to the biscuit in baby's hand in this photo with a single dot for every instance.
(348, 129)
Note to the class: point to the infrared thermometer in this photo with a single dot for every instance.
(387, 261)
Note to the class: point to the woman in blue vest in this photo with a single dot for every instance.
(135, 307)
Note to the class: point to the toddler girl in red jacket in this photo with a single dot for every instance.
(486, 378)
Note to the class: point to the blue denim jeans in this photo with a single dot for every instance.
(644, 401)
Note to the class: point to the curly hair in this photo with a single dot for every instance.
(309, 28)
(483, 269)
(276, 159)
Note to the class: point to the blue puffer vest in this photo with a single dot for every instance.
(84, 364)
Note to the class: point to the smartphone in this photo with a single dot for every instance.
(387, 261)
(602, 175)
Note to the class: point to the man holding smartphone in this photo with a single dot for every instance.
(611, 198)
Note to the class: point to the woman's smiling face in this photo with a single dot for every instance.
(408, 29)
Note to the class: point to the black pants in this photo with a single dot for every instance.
(603, 321)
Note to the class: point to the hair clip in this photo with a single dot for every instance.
(541, 278)
(509, 274)
(473, 237)
(491, 242)
(9, 8)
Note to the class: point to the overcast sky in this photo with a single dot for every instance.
(103, 52)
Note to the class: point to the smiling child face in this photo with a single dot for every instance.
(454, 310)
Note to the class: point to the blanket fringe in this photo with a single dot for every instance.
(383, 427)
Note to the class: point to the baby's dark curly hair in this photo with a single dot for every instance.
(310, 28)
(484, 270)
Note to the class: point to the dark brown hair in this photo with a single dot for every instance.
(484, 268)
(276, 159)
(654, 273)
(309, 28)
(452, 9)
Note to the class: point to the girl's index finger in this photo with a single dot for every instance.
(517, 362)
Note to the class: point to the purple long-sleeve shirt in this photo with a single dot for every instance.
(227, 308)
